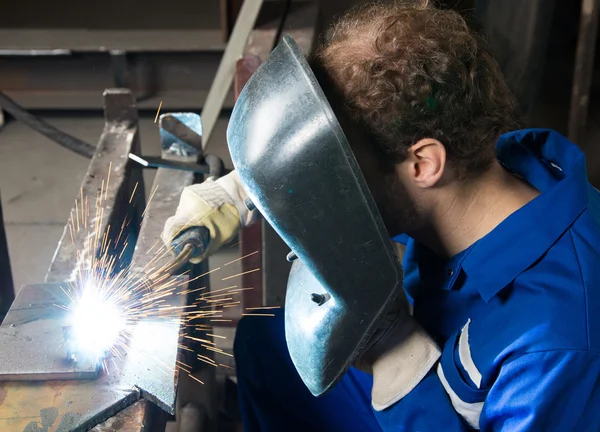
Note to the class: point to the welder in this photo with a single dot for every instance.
(403, 128)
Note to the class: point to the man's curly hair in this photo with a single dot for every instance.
(407, 70)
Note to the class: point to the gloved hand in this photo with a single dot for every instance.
(218, 206)
(399, 355)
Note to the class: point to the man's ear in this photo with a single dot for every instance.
(426, 162)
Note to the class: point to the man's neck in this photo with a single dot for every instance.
(466, 213)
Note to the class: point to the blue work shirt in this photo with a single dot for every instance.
(517, 314)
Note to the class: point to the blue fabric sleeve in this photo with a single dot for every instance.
(401, 238)
(552, 390)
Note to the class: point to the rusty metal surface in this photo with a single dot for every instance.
(130, 419)
(584, 68)
(32, 345)
(300, 24)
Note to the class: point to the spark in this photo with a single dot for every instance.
(133, 193)
(82, 207)
(107, 181)
(242, 289)
(217, 350)
(71, 231)
(158, 112)
(77, 214)
(190, 291)
(241, 258)
(194, 378)
(106, 302)
(149, 200)
(240, 274)
(205, 361)
(258, 314)
(263, 308)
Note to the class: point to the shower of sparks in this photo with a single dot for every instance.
(106, 302)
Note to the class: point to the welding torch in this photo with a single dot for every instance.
(188, 244)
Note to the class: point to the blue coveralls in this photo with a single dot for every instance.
(517, 316)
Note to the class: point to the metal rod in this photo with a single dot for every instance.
(68, 141)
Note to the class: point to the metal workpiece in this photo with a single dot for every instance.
(181, 136)
(32, 341)
(155, 162)
(163, 205)
(32, 348)
(121, 183)
(80, 404)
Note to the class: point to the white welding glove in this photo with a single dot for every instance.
(398, 355)
(216, 205)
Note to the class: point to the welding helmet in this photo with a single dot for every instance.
(299, 171)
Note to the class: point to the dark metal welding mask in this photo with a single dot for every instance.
(298, 169)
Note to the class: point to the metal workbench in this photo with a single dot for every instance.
(98, 405)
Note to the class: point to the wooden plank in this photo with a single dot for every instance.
(584, 68)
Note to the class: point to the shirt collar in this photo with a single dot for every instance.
(556, 167)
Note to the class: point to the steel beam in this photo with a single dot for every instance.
(119, 138)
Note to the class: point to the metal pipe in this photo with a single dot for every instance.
(61, 138)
